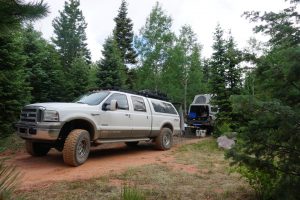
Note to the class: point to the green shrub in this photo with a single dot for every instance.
(131, 193)
(230, 135)
(262, 183)
(13, 143)
(222, 127)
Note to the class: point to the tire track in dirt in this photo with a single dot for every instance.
(103, 160)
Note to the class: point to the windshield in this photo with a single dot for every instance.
(92, 98)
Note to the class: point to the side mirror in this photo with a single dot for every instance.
(113, 105)
(105, 106)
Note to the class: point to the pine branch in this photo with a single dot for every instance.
(295, 85)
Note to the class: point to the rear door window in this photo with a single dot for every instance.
(138, 104)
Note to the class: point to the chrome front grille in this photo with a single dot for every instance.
(31, 114)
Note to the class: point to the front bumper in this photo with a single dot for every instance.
(44, 131)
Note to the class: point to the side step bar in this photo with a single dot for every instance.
(104, 141)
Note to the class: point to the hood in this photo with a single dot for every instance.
(61, 106)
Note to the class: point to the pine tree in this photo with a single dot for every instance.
(43, 68)
(123, 34)
(70, 37)
(92, 77)
(225, 78)
(111, 72)
(14, 91)
(218, 77)
(233, 70)
(153, 43)
(14, 12)
(79, 72)
(233, 77)
(206, 72)
(267, 152)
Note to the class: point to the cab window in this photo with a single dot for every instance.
(121, 101)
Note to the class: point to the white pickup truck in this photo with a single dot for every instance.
(96, 118)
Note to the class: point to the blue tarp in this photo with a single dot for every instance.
(192, 115)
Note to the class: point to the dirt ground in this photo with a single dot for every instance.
(103, 160)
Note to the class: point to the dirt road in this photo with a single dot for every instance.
(103, 160)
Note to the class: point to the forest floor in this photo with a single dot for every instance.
(193, 169)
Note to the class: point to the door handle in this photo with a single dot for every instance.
(127, 115)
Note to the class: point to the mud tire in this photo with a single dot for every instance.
(164, 140)
(77, 147)
(36, 149)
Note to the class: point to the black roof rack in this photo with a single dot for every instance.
(145, 93)
(153, 94)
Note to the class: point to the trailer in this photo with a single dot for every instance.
(201, 115)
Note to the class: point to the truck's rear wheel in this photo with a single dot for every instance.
(164, 140)
(77, 147)
(36, 149)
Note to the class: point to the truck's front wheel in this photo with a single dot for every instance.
(36, 149)
(164, 140)
(77, 147)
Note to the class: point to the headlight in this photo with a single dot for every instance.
(51, 116)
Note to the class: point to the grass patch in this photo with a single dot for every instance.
(98, 189)
(214, 169)
(131, 193)
(207, 145)
(159, 181)
(205, 155)
(12, 143)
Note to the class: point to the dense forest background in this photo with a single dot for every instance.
(257, 88)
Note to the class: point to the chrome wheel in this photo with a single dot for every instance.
(166, 140)
(82, 149)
